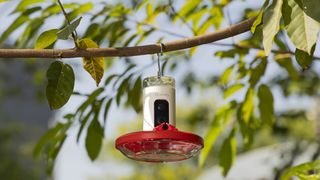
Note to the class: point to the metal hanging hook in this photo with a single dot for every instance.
(160, 73)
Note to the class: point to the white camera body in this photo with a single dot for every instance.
(158, 104)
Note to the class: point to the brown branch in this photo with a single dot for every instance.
(185, 43)
(275, 51)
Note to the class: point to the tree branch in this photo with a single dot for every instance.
(275, 51)
(185, 43)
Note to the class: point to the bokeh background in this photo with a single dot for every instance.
(25, 115)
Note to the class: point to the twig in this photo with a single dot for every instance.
(229, 21)
(80, 94)
(74, 34)
(212, 43)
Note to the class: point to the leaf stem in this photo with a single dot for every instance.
(74, 34)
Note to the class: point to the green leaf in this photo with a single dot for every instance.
(55, 8)
(258, 21)
(46, 39)
(248, 105)
(60, 84)
(301, 28)
(14, 26)
(122, 89)
(106, 110)
(93, 65)
(286, 63)
(90, 99)
(83, 123)
(83, 8)
(29, 32)
(271, 24)
(94, 139)
(205, 26)
(56, 143)
(221, 119)
(92, 31)
(303, 171)
(311, 8)
(110, 78)
(68, 30)
(50, 134)
(225, 77)
(303, 58)
(25, 4)
(258, 72)
(188, 7)
(217, 16)
(242, 70)
(247, 129)
(232, 89)
(135, 95)
(231, 53)
(266, 105)
(228, 153)
(129, 40)
(197, 16)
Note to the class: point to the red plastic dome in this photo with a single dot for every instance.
(164, 144)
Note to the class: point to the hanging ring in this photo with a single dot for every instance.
(160, 73)
(161, 48)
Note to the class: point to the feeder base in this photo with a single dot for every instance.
(164, 144)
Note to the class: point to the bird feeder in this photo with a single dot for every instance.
(160, 140)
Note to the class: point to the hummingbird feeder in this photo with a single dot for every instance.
(160, 140)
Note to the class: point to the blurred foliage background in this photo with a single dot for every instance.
(237, 85)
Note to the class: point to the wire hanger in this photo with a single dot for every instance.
(160, 73)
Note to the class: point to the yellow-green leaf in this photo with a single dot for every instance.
(266, 104)
(228, 153)
(93, 65)
(13, 27)
(300, 23)
(286, 63)
(82, 9)
(225, 77)
(303, 170)
(248, 105)
(258, 72)
(271, 24)
(46, 39)
(232, 89)
(220, 121)
(25, 4)
(258, 21)
(188, 7)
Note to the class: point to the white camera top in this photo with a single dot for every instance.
(158, 101)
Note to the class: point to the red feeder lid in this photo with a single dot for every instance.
(164, 144)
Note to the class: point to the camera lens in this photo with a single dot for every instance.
(161, 107)
(161, 112)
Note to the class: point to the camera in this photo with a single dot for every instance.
(158, 101)
(161, 112)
